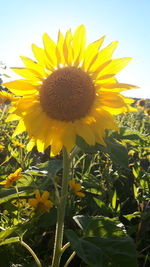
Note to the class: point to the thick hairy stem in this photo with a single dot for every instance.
(61, 211)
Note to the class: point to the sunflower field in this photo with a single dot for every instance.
(75, 197)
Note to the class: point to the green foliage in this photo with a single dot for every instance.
(109, 227)
(104, 252)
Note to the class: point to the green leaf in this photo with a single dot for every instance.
(85, 147)
(10, 240)
(5, 233)
(11, 194)
(134, 215)
(52, 166)
(100, 226)
(117, 152)
(104, 208)
(114, 200)
(88, 252)
(104, 252)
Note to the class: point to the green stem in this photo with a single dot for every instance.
(70, 259)
(32, 253)
(18, 211)
(67, 245)
(61, 211)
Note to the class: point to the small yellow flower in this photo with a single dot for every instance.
(6, 97)
(1, 147)
(147, 112)
(41, 202)
(12, 178)
(76, 188)
(141, 103)
(16, 143)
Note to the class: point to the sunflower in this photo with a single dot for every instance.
(12, 178)
(76, 188)
(69, 91)
(141, 103)
(147, 112)
(41, 201)
(6, 97)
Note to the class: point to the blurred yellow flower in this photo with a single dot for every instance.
(16, 143)
(1, 147)
(147, 112)
(76, 188)
(41, 202)
(6, 97)
(12, 178)
(69, 91)
(141, 103)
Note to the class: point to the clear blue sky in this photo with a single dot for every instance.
(22, 22)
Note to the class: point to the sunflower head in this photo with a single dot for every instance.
(76, 188)
(12, 178)
(1, 147)
(69, 90)
(141, 103)
(6, 97)
(147, 112)
(41, 201)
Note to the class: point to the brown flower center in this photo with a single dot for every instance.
(67, 94)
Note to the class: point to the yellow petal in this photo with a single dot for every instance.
(72, 183)
(28, 74)
(35, 113)
(78, 44)
(12, 117)
(115, 66)
(85, 132)
(59, 50)
(107, 80)
(69, 137)
(40, 145)
(33, 202)
(104, 55)
(20, 128)
(56, 147)
(21, 87)
(37, 194)
(40, 56)
(45, 196)
(114, 103)
(18, 171)
(30, 145)
(77, 187)
(44, 135)
(56, 141)
(117, 87)
(3, 182)
(26, 105)
(91, 53)
(97, 72)
(50, 50)
(105, 120)
(49, 204)
(30, 64)
(67, 48)
(80, 194)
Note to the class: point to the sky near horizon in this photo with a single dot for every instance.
(23, 22)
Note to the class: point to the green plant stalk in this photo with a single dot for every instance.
(61, 212)
(18, 202)
(32, 253)
(70, 259)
